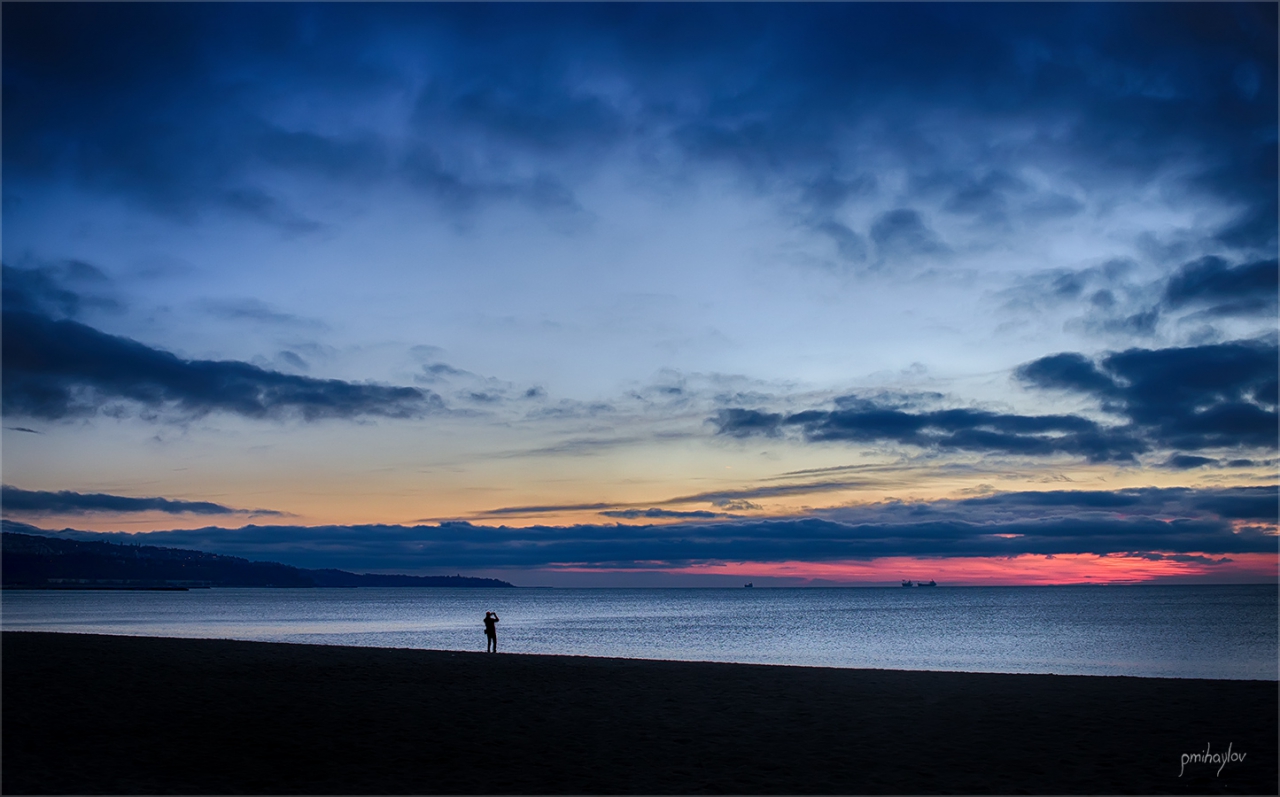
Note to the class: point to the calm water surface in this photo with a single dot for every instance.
(1154, 631)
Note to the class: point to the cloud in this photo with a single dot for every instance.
(849, 245)
(541, 509)
(60, 368)
(734, 499)
(527, 111)
(1114, 300)
(424, 169)
(739, 422)
(1219, 396)
(44, 288)
(902, 232)
(1140, 324)
(440, 372)
(258, 204)
(486, 392)
(656, 514)
(357, 159)
(56, 367)
(129, 103)
(293, 360)
(735, 505)
(1192, 398)
(740, 498)
(1109, 299)
(257, 311)
(1188, 462)
(986, 197)
(577, 446)
(1229, 503)
(66, 502)
(793, 98)
(1225, 290)
(1205, 522)
(867, 421)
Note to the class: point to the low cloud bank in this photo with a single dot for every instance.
(1167, 522)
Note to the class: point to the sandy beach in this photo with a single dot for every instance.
(100, 714)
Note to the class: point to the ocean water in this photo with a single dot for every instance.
(1151, 631)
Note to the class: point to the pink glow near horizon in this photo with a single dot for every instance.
(1024, 570)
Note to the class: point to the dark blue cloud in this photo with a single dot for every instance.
(1185, 399)
(138, 102)
(1112, 300)
(66, 502)
(1221, 289)
(148, 100)
(1140, 324)
(1189, 462)
(1199, 397)
(1066, 371)
(1259, 504)
(859, 420)
(56, 289)
(57, 367)
(738, 422)
(54, 369)
(1166, 523)
(1109, 297)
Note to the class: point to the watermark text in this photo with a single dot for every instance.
(1210, 757)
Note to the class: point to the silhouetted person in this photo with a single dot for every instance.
(491, 631)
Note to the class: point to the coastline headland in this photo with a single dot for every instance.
(103, 714)
(33, 561)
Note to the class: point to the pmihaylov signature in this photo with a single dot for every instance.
(1210, 757)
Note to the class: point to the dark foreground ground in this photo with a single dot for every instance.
(98, 714)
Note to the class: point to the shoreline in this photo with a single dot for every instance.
(589, 657)
(86, 713)
(586, 656)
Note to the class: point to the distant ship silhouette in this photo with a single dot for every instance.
(929, 583)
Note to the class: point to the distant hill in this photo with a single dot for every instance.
(31, 561)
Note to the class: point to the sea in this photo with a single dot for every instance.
(1226, 632)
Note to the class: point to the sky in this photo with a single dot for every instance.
(648, 295)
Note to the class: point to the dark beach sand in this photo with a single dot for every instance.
(99, 714)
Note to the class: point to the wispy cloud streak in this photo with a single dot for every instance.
(66, 502)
